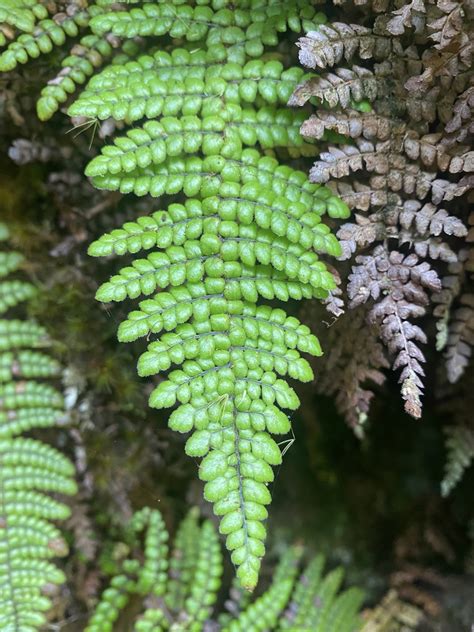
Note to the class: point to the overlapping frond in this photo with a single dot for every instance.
(44, 36)
(398, 285)
(460, 454)
(30, 29)
(30, 471)
(394, 138)
(180, 594)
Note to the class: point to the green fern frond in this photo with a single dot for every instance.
(316, 606)
(207, 581)
(303, 596)
(223, 135)
(185, 599)
(264, 613)
(27, 364)
(149, 577)
(9, 262)
(197, 62)
(16, 334)
(252, 22)
(460, 455)
(183, 561)
(29, 470)
(219, 176)
(22, 14)
(84, 58)
(237, 32)
(250, 230)
(42, 33)
(47, 34)
(14, 292)
(343, 615)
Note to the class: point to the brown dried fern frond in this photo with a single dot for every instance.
(394, 123)
(339, 87)
(353, 367)
(399, 287)
(331, 43)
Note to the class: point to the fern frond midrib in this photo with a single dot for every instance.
(238, 468)
(223, 134)
(204, 258)
(232, 347)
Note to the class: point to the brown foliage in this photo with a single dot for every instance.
(396, 102)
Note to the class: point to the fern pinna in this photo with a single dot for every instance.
(179, 592)
(30, 29)
(244, 228)
(29, 469)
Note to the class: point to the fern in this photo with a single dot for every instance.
(109, 34)
(248, 228)
(29, 469)
(392, 613)
(180, 594)
(41, 33)
(45, 35)
(77, 67)
(22, 14)
(460, 454)
(396, 141)
(354, 362)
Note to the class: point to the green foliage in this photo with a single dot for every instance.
(220, 134)
(146, 94)
(180, 595)
(84, 58)
(460, 455)
(29, 469)
(249, 229)
(153, 160)
(22, 14)
(45, 35)
(241, 32)
(251, 25)
(137, 577)
(41, 33)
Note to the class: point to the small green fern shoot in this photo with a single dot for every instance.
(178, 592)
